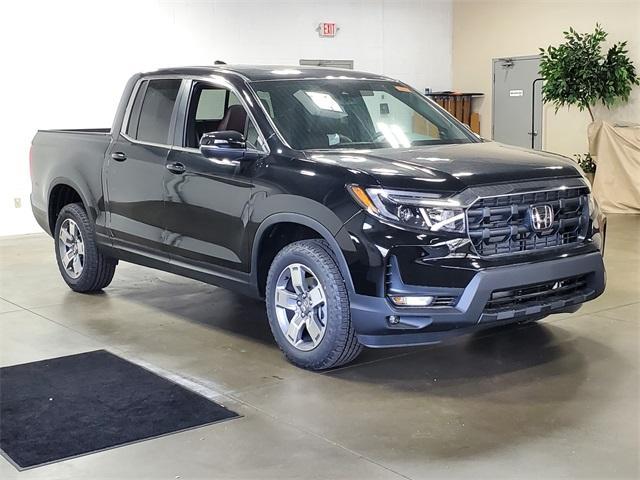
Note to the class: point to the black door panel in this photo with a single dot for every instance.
(135, 168)
(206, 208)
(135, 197)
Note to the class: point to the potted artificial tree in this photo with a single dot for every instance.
(586, 163)
(578, 73)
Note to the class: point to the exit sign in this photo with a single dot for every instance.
(327, 29)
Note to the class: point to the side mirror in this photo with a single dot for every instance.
(212, 142)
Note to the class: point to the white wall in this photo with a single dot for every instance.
(487, 29)
(64, 63)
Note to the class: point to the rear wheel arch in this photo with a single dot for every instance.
(62, 193)
(297, 227)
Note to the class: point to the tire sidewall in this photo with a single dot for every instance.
(337, 315)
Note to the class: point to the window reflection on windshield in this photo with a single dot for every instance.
(323, 114)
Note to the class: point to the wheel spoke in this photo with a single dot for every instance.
(286, 299)
(66, 237)
(294, 332)
(80, 245)
(314, 328)
(297, 279)
(66, 259)
(72, 229)
(316, 296)
(77, 266)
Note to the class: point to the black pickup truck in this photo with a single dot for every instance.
(361, 211)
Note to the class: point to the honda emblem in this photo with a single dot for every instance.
(541, 217)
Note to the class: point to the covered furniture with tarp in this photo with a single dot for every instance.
(616, 152)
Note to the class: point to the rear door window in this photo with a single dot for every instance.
(156, 111)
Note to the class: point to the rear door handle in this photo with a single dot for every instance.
(119, 156)
(177, 168)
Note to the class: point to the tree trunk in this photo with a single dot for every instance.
(590, 112)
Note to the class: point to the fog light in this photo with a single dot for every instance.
(411, 301)
(394, 319)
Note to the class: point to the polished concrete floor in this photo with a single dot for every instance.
(556, 399)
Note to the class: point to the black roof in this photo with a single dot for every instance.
(270, 72)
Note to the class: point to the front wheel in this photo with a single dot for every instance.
(308, 307)
(82, 266)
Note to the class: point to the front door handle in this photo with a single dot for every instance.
(177, 168)
(119, 156)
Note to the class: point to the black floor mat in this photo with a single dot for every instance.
(69, 406)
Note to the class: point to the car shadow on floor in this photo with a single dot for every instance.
(197, 303)
(486, 354)
(488, 391)
(465, 397)
(224, 310)
(524, 353)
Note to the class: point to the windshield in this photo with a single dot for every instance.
(331, 113)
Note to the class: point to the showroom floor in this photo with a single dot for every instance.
(558, 399)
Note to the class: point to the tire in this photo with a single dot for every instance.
(314, 262)
(95, 270)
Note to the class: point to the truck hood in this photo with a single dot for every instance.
(450, 168)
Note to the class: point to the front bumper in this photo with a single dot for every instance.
(419, 326)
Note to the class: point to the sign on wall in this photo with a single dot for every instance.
(327, 29)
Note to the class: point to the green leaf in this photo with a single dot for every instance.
(577, 73)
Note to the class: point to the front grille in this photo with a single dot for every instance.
(502, 225)
(536, 294)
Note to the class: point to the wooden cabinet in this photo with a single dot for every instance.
(460, 106)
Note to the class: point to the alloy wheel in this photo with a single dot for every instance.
(301, 307)
(71, 248)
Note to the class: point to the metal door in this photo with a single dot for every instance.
(135, 166)
(206, 198)
(517, 102)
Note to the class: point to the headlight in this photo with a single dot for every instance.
(414, 210)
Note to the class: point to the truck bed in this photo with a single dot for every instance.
(76, 155)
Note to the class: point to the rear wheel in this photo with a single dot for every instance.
(308, 307)
(82, 266)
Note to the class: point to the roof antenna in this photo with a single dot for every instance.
(219, 62)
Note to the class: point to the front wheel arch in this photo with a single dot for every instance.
(304, 221)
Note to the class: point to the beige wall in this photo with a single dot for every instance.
(483, 30)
